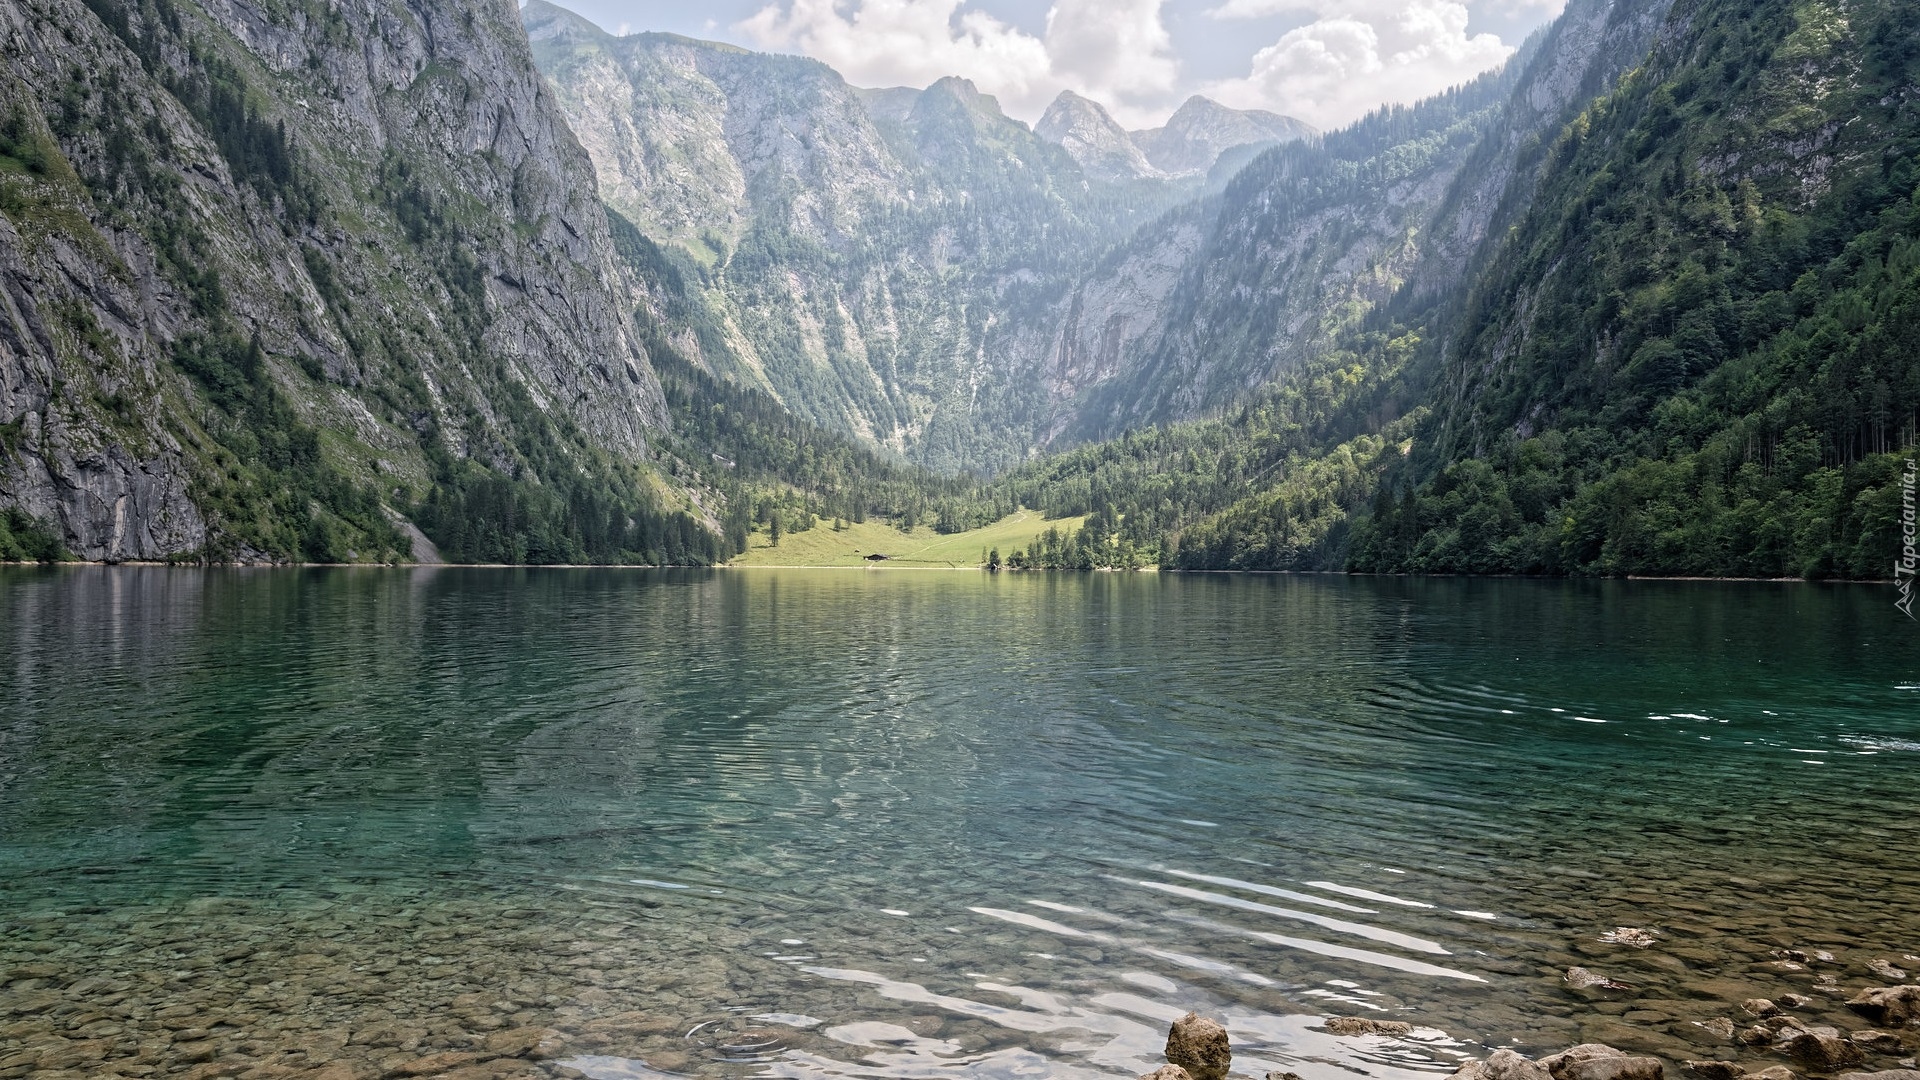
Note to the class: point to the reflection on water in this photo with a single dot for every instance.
(890, 824)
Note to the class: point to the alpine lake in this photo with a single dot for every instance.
(363, 823)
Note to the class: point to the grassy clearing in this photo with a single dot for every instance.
(922, 548)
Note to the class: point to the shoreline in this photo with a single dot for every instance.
(152, 564)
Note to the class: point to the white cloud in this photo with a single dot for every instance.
(909, 43)
(1522, 9)
(1356, 55)
(1116, 51)
(1349, 57)
(1253, 9)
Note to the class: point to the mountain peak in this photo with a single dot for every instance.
(1202, 129)
(1088, 133)
(551, 22)
(967, 94)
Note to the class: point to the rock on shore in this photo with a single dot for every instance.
(1890, 1006)
(1198, 1046)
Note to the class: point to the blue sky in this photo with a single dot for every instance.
(1326, 61)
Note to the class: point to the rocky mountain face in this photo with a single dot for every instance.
(1198, 133)
(1200, 139)
(691, 137)
(843, 260)
(850, 251)
(1579, 58)
(271, 274)
(1093, 138)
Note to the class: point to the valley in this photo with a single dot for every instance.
(530, 552)
(519, 290)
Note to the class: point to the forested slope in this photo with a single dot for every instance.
(1699, 353)
(1684, 344)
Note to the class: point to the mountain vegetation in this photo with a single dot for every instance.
(1691, 353)
(341, 285)
(1698, 355)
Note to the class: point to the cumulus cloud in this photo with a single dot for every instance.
(1356, 55)
(1116, 51)
(1348, 57)
(1523, 9)
(908, 43)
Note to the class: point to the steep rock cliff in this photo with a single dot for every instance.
(1093, 138)
(272, 267)
(850, 251)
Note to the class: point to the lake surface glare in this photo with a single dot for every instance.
(900, 824)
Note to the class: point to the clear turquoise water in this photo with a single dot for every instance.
(897, 823)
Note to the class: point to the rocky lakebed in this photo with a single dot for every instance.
(500, 986)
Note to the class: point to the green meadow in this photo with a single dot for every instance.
(920, 548)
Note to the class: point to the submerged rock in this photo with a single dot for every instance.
(1630, 935)
(1760, 1007)
(526, 1042)
(1891, 1006)
(1820, 1048)
(1168, 1072)
(1772, 1072)
(1716, 1070)
(1595, 1061)
(1361, 1025)
(1886, 970)
(1581, 979)
(1890, 1074)
(1507, 1065)
(1199, 1046)
(1503, 1065)
(1720, 1027)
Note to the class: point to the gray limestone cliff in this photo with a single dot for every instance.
(1103, 148)
(1200, 138)
(273, 266)
(1201, 130)
(850, 251)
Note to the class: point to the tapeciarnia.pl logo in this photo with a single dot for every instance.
(1903, 570)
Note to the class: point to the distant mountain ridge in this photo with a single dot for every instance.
(847, 250)
(866, 255)
(1202, 130)
(1189, 145)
